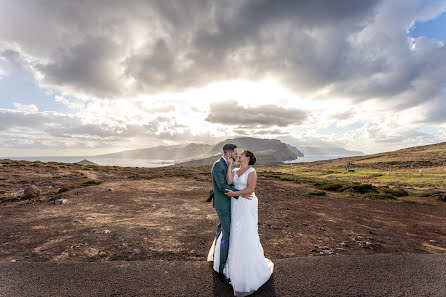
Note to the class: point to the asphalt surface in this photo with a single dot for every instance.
(373, 275)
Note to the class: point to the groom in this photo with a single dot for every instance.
(222, 203)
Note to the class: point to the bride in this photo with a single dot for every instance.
(246, 266)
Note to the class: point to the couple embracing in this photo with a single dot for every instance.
(236, 251)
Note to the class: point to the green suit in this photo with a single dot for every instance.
(222, 205)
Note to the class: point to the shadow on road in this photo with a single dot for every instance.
(222, 289)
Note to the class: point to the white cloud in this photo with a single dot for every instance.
(357, 51)
(151, 72)
(430, 10)
(70, 103)
(238, 114)
(32, 108)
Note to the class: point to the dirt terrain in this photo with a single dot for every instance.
(120, 213)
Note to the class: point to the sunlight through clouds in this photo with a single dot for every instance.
(366, 76)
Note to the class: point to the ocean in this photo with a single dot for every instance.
(150, 163)
(100, 161)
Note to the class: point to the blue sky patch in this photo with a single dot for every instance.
(435, 28)
(15, 87)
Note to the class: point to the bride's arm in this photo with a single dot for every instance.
(252, 180)
(230, 174)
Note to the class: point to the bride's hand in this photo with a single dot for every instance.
(249, 197)
(230, 161)
(230, 193)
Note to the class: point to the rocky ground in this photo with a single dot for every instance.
(115, 213)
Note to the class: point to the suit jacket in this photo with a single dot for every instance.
(219, 171)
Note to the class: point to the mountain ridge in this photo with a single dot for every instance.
(267, 150)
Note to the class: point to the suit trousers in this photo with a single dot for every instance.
(223, 227)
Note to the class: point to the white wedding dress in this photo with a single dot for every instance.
(246, 266)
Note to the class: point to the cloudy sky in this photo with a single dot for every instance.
(90, 77)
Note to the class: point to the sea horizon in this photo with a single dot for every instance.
(149, 163)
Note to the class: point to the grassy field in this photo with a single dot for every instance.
(378, 177)
(363, 182)
(419, 170)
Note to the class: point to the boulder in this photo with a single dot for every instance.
(60, 201)
(31, 192)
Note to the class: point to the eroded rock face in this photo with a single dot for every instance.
(31, 192)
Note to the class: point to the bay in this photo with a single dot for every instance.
(150, 163)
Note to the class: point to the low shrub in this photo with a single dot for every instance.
(378, 196)
(69, 187)
(316, 193)
(423, 194)
(364, 188)
(393, 192)
(91, 182)
(287, 177)
(329, 186)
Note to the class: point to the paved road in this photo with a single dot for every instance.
(375, 275)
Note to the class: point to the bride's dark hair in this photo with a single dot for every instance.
(250, 155)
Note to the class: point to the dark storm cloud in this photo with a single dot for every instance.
(231, 113)
(185, 43)
(356, 49)
(55, 124)
(436, 112)
(71, 126)
(89, 66)
(249, 39)
(12, 57)
(56, 128)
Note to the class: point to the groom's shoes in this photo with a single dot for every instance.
(224, 278)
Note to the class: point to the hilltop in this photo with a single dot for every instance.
(421, 168)
(418, 157)
(164, 152)
(196, 154)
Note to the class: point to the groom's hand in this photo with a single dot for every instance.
(230, 193)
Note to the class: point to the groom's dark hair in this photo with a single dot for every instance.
(229, 147)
